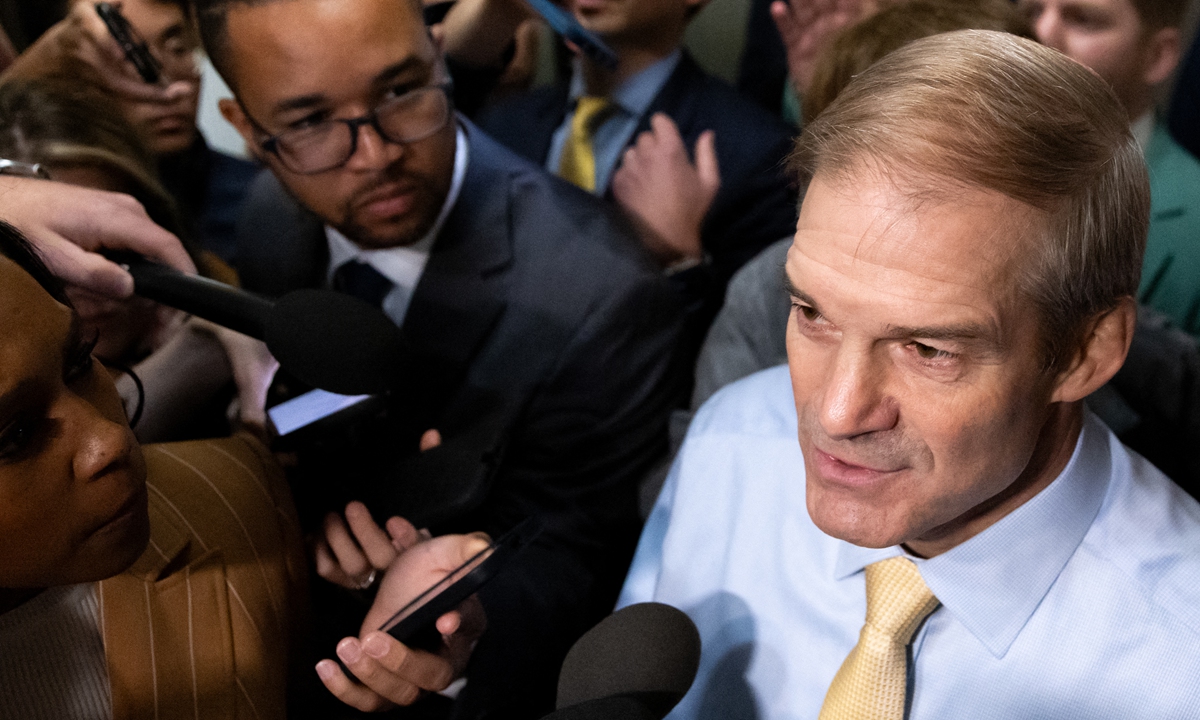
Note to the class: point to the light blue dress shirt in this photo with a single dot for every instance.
(631, 100)
(1082, 603)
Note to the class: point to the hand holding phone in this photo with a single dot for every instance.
(137, 52)
(389, 672)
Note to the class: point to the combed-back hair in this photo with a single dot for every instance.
(977, 109)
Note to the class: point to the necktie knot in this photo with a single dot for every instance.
(897, 598)
(578, 164)
(364, 282)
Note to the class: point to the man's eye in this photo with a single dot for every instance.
(928, 352)
(308, 122)
(808, 312)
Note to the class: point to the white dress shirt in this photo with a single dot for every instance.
(402, 265)
(1082, 603)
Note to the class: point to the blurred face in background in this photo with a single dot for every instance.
(72, 477)
(1109, 37)
(637, 23)
(168, 125)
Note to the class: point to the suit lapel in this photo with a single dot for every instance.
(160, 664)
(463, 288)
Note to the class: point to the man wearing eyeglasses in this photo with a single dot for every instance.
(541, 334)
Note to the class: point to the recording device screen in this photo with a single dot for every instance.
(306, 409)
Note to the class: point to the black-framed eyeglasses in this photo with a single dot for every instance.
(329, 144)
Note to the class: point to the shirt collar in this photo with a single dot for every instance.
(635, 94)
(993, 582)
(394, 263)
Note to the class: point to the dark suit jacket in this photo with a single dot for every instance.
(756, 204)
(542, 333)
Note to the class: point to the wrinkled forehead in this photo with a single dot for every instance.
(913, 240)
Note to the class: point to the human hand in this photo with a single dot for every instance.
(389, 672)
(353, 551)
(665, 195)
(70, 224)
(807, 26)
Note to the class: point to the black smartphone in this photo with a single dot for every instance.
(135, 48)
(565, 24)
(415, 623)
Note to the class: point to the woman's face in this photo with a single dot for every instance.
(72, 477)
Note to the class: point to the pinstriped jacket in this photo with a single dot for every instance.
(200, 625)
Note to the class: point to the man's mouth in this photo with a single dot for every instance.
(847, 471)
(388, 201)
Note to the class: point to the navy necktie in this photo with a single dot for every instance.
(362, 281)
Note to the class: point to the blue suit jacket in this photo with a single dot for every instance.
(756, 204)
(542, 338)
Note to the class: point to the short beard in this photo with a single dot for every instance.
(428, 197)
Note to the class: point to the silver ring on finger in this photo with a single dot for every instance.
(370, 581)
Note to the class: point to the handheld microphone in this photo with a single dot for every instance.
(637, 664)
(326, 339)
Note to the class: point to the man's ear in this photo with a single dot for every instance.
(1163, 51)
(232, 111)
(1101, 355)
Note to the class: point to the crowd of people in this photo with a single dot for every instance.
(904, 327)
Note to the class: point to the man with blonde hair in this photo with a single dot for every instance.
(962, 277)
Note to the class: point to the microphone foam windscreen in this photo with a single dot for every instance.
(649, 650)
(335, 342)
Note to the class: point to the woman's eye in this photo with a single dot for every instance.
(17, 437)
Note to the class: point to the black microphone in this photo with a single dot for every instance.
(326, 339)
(637, 664)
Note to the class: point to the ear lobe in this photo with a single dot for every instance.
(1163, 54)
(235, 116)
(1101, 356)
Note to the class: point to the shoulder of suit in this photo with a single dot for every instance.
(724, 108)
(1174, 173)
(236, 472)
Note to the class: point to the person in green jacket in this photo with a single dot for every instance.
(1135, 46)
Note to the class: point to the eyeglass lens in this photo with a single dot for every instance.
(408, 118)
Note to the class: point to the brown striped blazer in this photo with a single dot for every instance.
(201, 624)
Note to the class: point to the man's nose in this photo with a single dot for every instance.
(372, 150)
(856, 399)
(1047, 28)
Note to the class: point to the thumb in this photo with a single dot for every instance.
(706, 161)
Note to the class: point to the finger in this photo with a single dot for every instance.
(707, 166)
(349, 556)
(327, 566)
(430, 439)
(119, 222)
(402, 533)
(353, 694)
(402, 665)
(375, 543)
(76, 266)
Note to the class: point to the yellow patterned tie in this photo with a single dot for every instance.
(578, 164)
(872, 681)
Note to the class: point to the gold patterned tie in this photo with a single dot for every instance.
(578, 164)
(872, 681)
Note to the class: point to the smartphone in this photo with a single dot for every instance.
(565, 24)
(135, 48)
(415, 623)
(304, 410)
